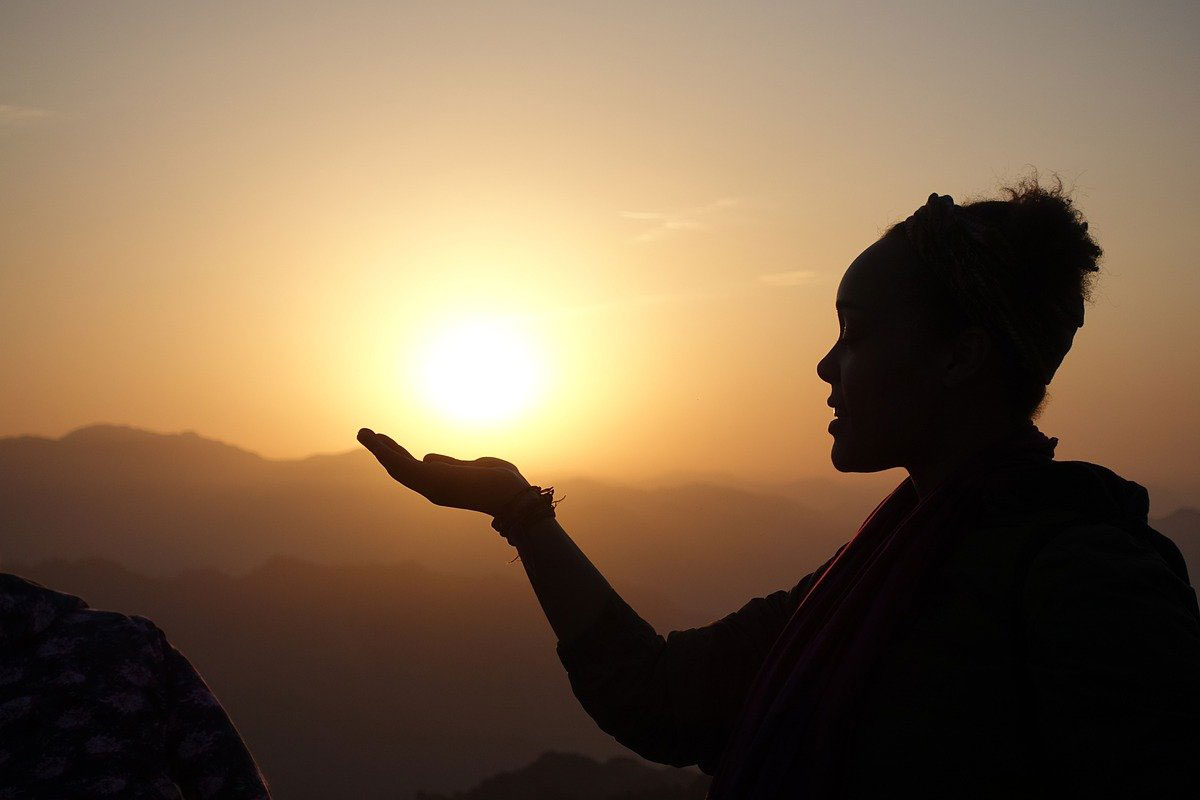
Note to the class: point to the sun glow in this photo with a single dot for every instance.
(481, 371)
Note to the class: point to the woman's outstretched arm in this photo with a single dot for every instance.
(572, 592)
(670, 699)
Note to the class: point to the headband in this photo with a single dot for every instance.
(975, 262)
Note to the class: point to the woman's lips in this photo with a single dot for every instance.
(834, 424)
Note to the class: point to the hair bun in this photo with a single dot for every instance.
(1020, 266)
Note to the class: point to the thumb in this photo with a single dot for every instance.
(438, 458)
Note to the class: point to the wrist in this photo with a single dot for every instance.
(527, 507)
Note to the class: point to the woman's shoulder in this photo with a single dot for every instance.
(1062, 493)
(1073, 526)
(1078, 512)
(1092, 559)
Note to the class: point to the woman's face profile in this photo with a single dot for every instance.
(883, 368)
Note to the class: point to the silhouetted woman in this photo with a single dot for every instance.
(1002, 625)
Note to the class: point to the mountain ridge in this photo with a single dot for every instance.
(854, 491)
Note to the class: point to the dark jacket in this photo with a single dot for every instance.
(1056, 652)
(95, 704)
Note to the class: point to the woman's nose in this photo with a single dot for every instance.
(825, 370)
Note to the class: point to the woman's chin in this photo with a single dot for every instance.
(847, 458)
(842, 456)
(844, 465)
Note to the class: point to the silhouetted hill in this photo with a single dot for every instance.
(569, 776)
(364, 681)
(162, 503)
(710, 548)
(1183, 527)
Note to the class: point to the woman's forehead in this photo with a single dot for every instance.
(880, 280)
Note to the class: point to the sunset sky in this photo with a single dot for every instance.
(260, 221)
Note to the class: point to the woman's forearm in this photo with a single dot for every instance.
(571, 590)
(619, 666)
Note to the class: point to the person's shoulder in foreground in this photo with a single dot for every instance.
(1111, 632)
(99, 704)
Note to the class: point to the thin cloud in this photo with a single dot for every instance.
(624, 303)
(725, 292)
(20, 115)
(669, 223)
(795, 277)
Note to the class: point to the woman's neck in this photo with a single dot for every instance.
(957, 446)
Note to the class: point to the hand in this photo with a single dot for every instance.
(485, 484)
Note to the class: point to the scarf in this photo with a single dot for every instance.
(792, 733)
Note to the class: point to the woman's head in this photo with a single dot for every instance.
(959, 315)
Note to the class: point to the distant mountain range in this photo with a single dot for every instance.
(432, 668)
(159, 503)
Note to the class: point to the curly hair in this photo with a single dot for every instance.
(1019, 267)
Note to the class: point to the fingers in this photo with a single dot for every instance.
(442, 479)
(392, 456)
(384, 446)
(432, 478)
(373, 442)
(438, 458)
(370, 440)
(492, 461)
(482, 461)
(391, 443)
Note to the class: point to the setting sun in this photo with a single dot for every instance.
(480, 371)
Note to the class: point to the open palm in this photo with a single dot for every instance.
(484, 484)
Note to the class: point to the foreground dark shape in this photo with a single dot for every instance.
(97, 704)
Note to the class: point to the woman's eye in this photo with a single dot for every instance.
(844, 333)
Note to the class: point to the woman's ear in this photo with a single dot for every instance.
(967, 356)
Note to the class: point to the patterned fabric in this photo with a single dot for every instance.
(96, 704)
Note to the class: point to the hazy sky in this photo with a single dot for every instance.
(253, 220)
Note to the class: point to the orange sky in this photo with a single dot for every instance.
(251, 220)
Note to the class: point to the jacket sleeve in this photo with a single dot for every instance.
(674, 700)
(206, 756)
(1114, 657)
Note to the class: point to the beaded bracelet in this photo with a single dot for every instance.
(529, 505)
